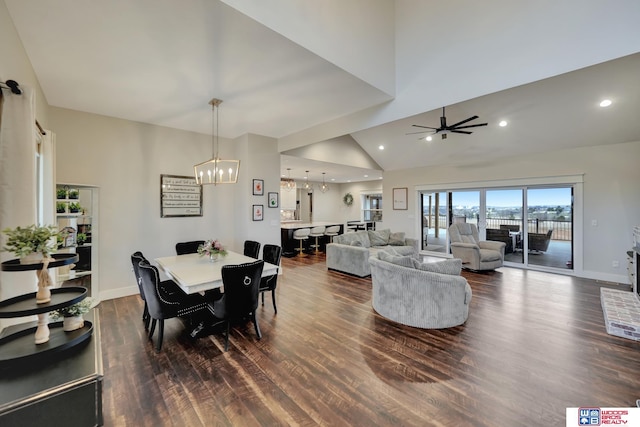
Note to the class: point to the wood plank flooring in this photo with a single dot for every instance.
(534, 344)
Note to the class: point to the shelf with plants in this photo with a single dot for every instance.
(34, 246)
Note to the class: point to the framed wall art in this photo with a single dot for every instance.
(258, 212)
(273, 200)
(400, 198)
(180, 196)
(258, 187)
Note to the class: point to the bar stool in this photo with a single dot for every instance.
(331, 231)
(317, 232)
(301, 234)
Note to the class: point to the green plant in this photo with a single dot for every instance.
(74, 194)
(347, 199)
(76, 309)
(22, 241)
(74, 207)
(81, 238)
(61, 193)
(61, 207)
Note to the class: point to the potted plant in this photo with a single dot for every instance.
(81, 238)
(74, 194)
(72, 316)
(61, 207)
(212, 249)
(61, 193)
(74, 207)
(31, 244)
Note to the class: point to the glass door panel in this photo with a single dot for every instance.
(434, 222)
(504, 220)
(550, 227)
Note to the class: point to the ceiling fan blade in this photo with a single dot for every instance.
(469, 126)
(460, 131)
(464, 121)
(425, 127)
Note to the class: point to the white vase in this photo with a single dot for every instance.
(32, 258)
(72, 323)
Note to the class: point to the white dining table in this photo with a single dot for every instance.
(194, 273)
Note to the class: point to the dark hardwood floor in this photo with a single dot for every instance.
(534, 344)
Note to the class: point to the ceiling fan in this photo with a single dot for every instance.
(454, 128)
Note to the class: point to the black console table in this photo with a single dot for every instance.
(62, 390)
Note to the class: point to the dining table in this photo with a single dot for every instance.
(194, 273)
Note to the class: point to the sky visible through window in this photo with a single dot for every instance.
(512, 198)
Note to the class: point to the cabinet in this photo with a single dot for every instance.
(18, 347)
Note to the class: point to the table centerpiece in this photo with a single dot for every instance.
(212, 249)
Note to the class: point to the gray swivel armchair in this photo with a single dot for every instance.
(475, 254)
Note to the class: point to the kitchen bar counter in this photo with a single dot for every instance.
(287, 229)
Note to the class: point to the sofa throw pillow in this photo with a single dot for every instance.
(357, 236)
(379, 237)
(356, 243)
(452, 267)
(405, 261)
(396, 239)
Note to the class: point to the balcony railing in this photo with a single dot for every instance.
(562, 230)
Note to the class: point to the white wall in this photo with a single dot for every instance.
(611, 174)
(125, 160)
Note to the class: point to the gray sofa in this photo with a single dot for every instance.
(422, 295)
(350, 252)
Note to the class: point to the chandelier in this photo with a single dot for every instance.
(288, 183)
(306, 185)
(324, 187)
(216, 171)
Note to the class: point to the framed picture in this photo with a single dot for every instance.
(257, 212)
(180, 196)
(258, 187)
(400, 198)
(273, 200)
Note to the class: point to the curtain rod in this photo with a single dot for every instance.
(15, 89)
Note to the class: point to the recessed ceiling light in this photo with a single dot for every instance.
(502, 123)
(333, 179)
(429, 138)
(381, 147)
(380, 178)
(605, 103)
(366, 176)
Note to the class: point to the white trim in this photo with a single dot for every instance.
(502, 183)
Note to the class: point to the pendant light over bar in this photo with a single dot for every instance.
(216, 171)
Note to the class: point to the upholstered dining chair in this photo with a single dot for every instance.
(301, 235)
(251, 248)
(240, 299)
(272, 255)
(166, 302)
(136, 257)
(475, 254)
(317, 232)
(191, 247)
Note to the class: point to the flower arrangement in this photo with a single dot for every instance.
(212, 247)
(23, 241)
(77, 309)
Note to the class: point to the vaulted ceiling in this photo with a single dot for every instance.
(358, 72)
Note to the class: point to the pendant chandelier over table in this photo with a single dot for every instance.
(216, 170)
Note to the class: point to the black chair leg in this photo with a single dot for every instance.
(255, 323)
(160, 336)
(153, 328)
(226, 342)
(262, 298)
(273, 297)
(146, 318)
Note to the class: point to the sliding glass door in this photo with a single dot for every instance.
(504, 219)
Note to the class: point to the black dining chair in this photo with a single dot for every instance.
(251, 248)
(191, 247)
(240, 299)
(272, 255)
(136, 257)
(165, 302)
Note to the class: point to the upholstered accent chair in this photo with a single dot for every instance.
(475, 254)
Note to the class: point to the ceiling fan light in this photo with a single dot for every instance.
(429, 138)
(605, 103)
(502, 123)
